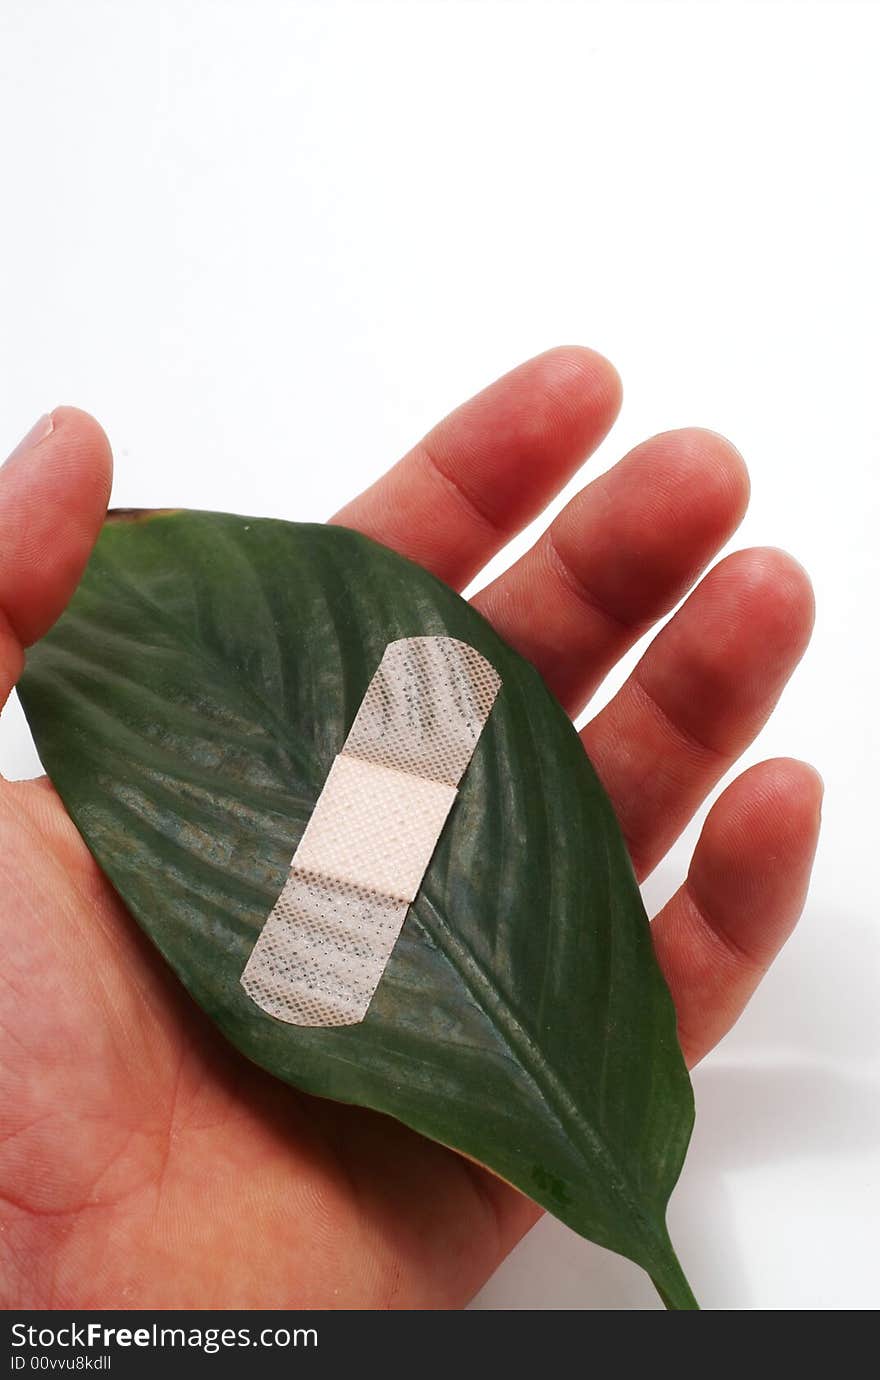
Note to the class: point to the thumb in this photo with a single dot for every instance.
(53, 497)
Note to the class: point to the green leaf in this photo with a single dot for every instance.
(188, 707)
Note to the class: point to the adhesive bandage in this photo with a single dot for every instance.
(322, 951)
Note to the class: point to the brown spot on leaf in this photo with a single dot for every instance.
(138, 514)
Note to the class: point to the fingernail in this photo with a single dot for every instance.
(38, 432)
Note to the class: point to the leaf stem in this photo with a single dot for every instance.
(672, 1286)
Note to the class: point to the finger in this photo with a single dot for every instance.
(699, 695)
(492, 465)
(53, 496)
(745, 889)
(618, 557)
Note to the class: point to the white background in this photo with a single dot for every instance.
(268, 244)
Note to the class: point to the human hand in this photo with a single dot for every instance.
(143, 1162)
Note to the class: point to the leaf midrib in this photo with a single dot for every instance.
(519, 1042)
(471, 974)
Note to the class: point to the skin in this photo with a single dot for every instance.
(143, 1163)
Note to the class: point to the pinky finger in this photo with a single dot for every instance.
(745, 889)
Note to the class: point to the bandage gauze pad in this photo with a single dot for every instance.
(365, 850)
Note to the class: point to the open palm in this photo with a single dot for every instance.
(145, 1164)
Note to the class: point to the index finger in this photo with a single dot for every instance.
(491, 466)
